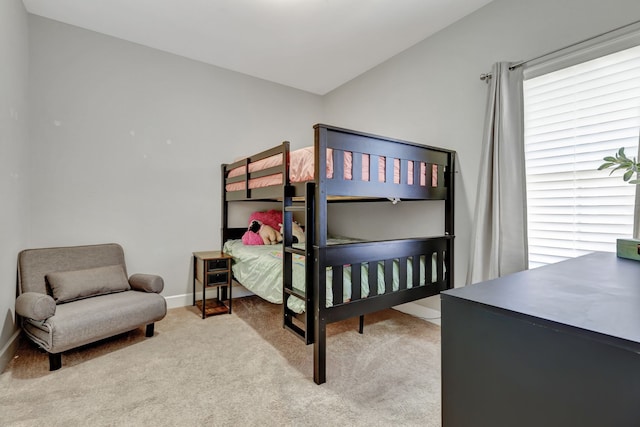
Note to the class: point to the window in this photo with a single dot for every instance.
(573, 118)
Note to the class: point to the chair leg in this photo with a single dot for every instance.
(361, 325)
(55, 361)
(149, 332)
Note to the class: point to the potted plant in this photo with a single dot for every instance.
(621, 161)
(626, 248)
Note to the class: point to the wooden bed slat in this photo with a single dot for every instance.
(338, 165)
(402, 273)
(415, 266)
(337, 280)
(373, 279)
(373, 168)
(264, 193)
(389, 166)
(440, 266)
(428, 267)
(388, 275)
(356, 171)
(356, 281)
(275, 170)
(404, 172)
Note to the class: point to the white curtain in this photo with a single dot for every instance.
(499, 237)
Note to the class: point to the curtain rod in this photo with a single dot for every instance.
(487, 76)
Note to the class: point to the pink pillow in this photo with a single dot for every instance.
(251, 238)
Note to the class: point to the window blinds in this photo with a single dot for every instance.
(573, 118)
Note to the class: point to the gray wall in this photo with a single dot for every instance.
(126, 145)
(431, 93)
(14, 216)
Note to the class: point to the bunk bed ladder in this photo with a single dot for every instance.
(305, 332)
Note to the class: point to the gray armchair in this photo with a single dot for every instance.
(72, 296)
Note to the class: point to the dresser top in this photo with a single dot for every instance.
(598, 293)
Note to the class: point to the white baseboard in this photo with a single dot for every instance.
(417, 310)
(9, 350)
(184, 300)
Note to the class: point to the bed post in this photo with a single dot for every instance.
(320, 243)
(224, 230)
(449, 217)
(321, 144)
(320, 321)
(225, 208)
(310, 261)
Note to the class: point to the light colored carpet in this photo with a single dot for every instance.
(241, 369)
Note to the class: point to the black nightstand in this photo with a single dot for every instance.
(212, 269)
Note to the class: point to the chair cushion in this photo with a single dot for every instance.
(36, 306)
(72, 285)
(146, 282)
(91, 319)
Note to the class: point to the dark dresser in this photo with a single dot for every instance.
(555, 346)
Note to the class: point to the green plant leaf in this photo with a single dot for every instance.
(621, 161)
(605, 165)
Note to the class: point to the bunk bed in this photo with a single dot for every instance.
(339, 277)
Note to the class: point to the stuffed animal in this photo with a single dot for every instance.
(269, 235)
(263, 228)
(297, 231)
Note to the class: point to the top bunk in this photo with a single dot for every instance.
(340, 163)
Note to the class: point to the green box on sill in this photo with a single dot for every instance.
(628, 248)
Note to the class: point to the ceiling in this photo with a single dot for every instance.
(313, 45)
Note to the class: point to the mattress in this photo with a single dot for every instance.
(259, 269)
(302, 169)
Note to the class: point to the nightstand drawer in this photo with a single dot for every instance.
(217, 264)
(218, 278)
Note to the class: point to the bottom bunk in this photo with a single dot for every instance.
(391, 254)
(259, 269)
(404, 270)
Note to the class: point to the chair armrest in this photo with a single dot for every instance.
(36, 306)
(146, 283)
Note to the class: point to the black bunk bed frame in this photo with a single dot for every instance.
(312, 198)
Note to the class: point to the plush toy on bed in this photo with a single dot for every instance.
(263, 228)
(297, 231)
